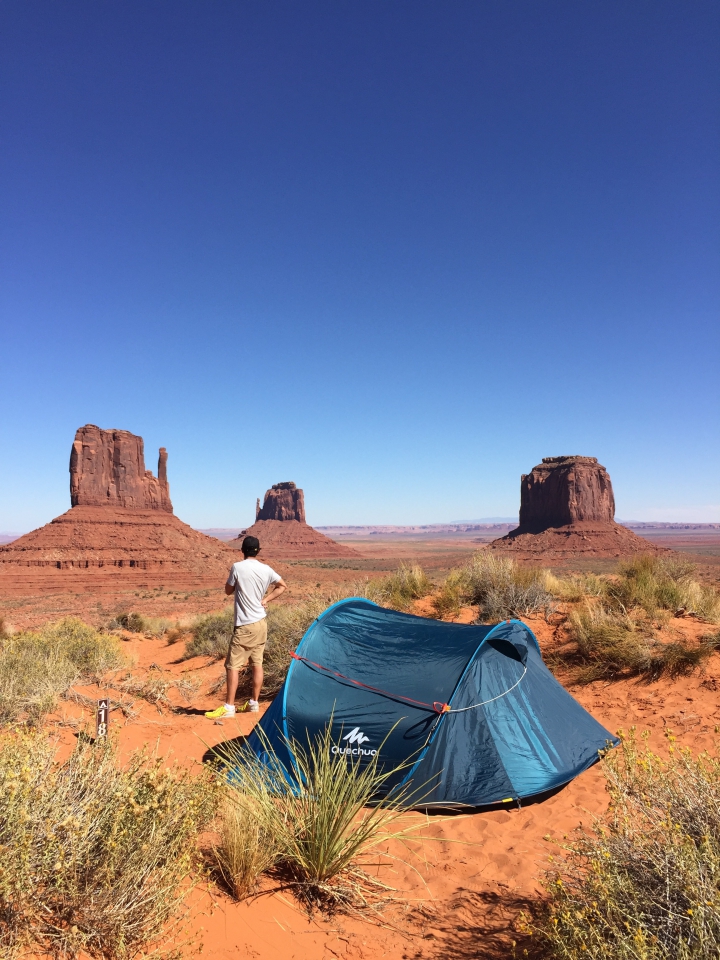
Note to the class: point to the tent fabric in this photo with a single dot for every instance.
(384, 680)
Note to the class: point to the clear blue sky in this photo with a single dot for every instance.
(396, 251)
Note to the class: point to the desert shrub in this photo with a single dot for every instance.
(37, 667)
(504, 589)
(654, 583)
(210, 635)
(159, 627)
(322, 835)
(139, 623)
(574, 587)
(174, 633)
(643, 885)
(608, 644)
(95, 856)
(449, 598)
(399, 589)
(128, 620)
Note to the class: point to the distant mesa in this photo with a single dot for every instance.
(121, 516)
(567, 508)
(282, 531)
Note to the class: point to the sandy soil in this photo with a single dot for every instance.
(468, 878)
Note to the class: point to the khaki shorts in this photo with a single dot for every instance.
(248, 643)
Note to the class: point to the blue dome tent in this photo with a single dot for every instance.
(471, 711)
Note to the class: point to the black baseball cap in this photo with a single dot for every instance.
(251, 546)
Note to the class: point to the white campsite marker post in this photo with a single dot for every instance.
(101, 718)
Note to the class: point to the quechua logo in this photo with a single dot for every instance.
(355, 740)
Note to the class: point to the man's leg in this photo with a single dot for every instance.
(231, 685)
(257, 681)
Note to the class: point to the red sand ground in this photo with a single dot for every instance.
(471, 875)
(466, 883)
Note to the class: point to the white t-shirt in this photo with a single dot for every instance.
(251, 580)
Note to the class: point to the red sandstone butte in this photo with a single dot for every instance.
(282, 531)
(107, 468)
(567, 508)
(283, 501)
(121, 516)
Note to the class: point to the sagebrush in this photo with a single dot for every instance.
(95, 856)
(644, 884)
(38, 666)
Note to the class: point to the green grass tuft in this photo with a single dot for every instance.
(319, 837)
(399, 589)
(608, 645)
(656, 584)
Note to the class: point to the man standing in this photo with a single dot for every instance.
(249, 581)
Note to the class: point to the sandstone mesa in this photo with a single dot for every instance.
(567, 509)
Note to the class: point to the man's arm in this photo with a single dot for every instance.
(274, 592)
(229, 589)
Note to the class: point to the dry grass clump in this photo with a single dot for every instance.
(246, 849)
(94, 856)
(315, 833)
(645, 883)
(504, 589)
(575, 586)
(609, 645)
(37, 667)
(210, 635)
(133, 622)
(654, 584)
(408, 583)
(155, 686)
(449, 599)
